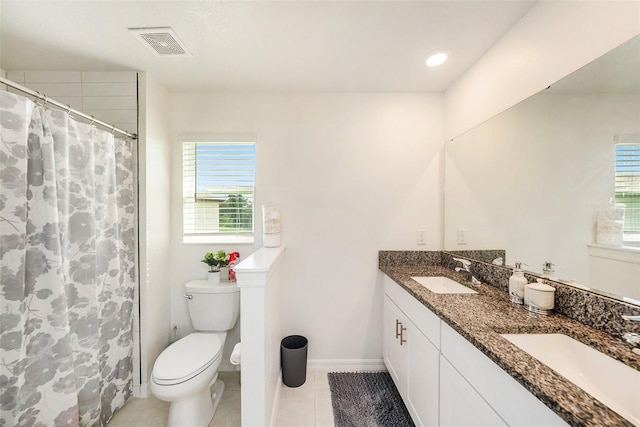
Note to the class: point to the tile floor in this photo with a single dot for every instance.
(306, 406)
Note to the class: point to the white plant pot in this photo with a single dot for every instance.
(213, 277)
(224, 274)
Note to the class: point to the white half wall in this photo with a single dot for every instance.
(551, 41)
(260, 281)
(155, 175)
(353, 173)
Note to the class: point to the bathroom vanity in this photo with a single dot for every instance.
(452, 366)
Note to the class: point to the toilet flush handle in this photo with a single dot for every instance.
(187, 296)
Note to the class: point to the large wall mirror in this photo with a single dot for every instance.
(531, 180)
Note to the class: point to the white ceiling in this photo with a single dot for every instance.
(355, 46)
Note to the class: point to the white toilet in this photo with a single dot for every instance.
(185, 372)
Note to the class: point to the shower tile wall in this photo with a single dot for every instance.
(110, 96)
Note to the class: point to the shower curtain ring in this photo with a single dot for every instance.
(113, 129)
(69, 111)
(93, 120)
(39, 99)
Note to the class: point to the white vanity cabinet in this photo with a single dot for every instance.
(515, 405)
(411, 358)
(460, 404)
(445, 380)
(394, 350)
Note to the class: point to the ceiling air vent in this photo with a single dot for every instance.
(162, 41)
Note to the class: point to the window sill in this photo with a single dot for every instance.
(230, 239)
(619, 253)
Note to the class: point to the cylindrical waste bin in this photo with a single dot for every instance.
(293, 359)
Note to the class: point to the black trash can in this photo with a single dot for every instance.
(293, 360)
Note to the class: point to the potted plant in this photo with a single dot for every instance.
(222, 257)
(215, 262)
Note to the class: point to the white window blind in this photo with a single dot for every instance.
(218, 192)
(627, 186)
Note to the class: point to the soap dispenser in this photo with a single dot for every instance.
(517, 282)
(548, 271)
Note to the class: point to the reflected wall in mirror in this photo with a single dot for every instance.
(531, 179)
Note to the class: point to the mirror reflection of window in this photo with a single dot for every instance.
(627, 185)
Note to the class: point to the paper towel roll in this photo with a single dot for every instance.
(235, 355)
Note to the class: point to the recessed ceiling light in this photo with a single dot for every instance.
(436, 59)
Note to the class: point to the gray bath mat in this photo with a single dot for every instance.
(367, 399)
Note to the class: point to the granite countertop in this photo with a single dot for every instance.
(482, 317)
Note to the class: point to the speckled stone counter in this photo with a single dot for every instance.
(482, 317)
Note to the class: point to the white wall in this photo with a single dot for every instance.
(551, 41)
(155, 192)
(353, 173)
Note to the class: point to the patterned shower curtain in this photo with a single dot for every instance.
(68, 268)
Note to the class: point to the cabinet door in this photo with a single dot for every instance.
(460, 404)
(394, 354)
(516, 405)
(422, 380)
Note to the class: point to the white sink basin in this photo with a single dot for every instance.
(443, 285)
(608, 380)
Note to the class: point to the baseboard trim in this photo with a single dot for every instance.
(141, 391)
(276, 401)
(346, 364)
(228, 367)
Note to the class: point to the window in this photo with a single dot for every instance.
(627, 185)
(218, 192)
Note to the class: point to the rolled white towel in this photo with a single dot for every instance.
(609, 226)
(235, 355)
(612, 211)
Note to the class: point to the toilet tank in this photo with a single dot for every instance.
(212, 307)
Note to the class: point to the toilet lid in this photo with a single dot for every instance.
(186, 358)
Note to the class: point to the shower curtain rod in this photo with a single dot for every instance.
(42, 97)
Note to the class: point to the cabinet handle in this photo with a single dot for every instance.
(400, 332)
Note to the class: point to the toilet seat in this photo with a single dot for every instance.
(186, 358)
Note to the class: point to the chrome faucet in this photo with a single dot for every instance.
(632, 337)
(466, 267)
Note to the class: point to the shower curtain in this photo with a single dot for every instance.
(68, 268)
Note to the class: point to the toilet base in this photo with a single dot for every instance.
(196, 410)
(216, 394)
